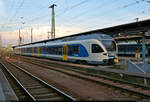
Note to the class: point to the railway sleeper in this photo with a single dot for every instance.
(30, 82)
(26, 83)
(49, 95)
(41, 89)
(29, 85)
(35, 87)
(35, 92)
(51, 99)
(39, 93)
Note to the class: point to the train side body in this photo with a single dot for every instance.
(91, 51)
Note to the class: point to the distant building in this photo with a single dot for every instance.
(10, 47)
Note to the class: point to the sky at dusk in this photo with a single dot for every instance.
(72, 16)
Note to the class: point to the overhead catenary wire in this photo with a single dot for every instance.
(11, 8)
(74, 6)
(87, 11)
(103, 13)
(47, 15)
(122, 18)
(124, 6)
(17, 11)
(44, 17)
(38, 14)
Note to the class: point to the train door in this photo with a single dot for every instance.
(32, 51)
(25, 51)
(64, 57)
(38, 51)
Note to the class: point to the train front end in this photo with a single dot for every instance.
(111, 47)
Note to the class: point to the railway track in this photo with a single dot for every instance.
(142, 91)
(35, 88)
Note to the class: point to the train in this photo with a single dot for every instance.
(90, 49)
(131, 49)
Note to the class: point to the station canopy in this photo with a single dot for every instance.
(130, 31)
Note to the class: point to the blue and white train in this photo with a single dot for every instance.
(91, 49)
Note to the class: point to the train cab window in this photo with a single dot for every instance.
(96, 48)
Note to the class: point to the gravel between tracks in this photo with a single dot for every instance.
(78, 88)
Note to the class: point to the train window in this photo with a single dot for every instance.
(73, 50)
(55, 50)
(29, 50)
(59, 50)
(22, 50)
(96, 48)
(35, 49)
(50, 50)
(110, 45)
(45, 49)
(41, 49)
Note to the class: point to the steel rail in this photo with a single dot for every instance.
(50, 86)
(102, 76)
(113, 79)
(18, 82)
(73, 99)
(115, 72)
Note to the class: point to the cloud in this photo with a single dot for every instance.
(39, 34)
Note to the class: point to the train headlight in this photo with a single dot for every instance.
(116, 60)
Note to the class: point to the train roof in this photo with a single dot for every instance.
(58, 43)
(98, 36)
(132, 44)
(111, 30)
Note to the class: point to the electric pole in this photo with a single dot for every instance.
(53, 22)
(20, 39)
(31, 35)
(0, 41)
(48, 35)
(137, 19)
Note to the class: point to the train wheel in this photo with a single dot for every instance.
(78, 62)
(84, 62)
(81, 62)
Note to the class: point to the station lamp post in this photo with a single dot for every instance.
(143, 46)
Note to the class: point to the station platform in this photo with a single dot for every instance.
(119, 71)
(6, 92)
